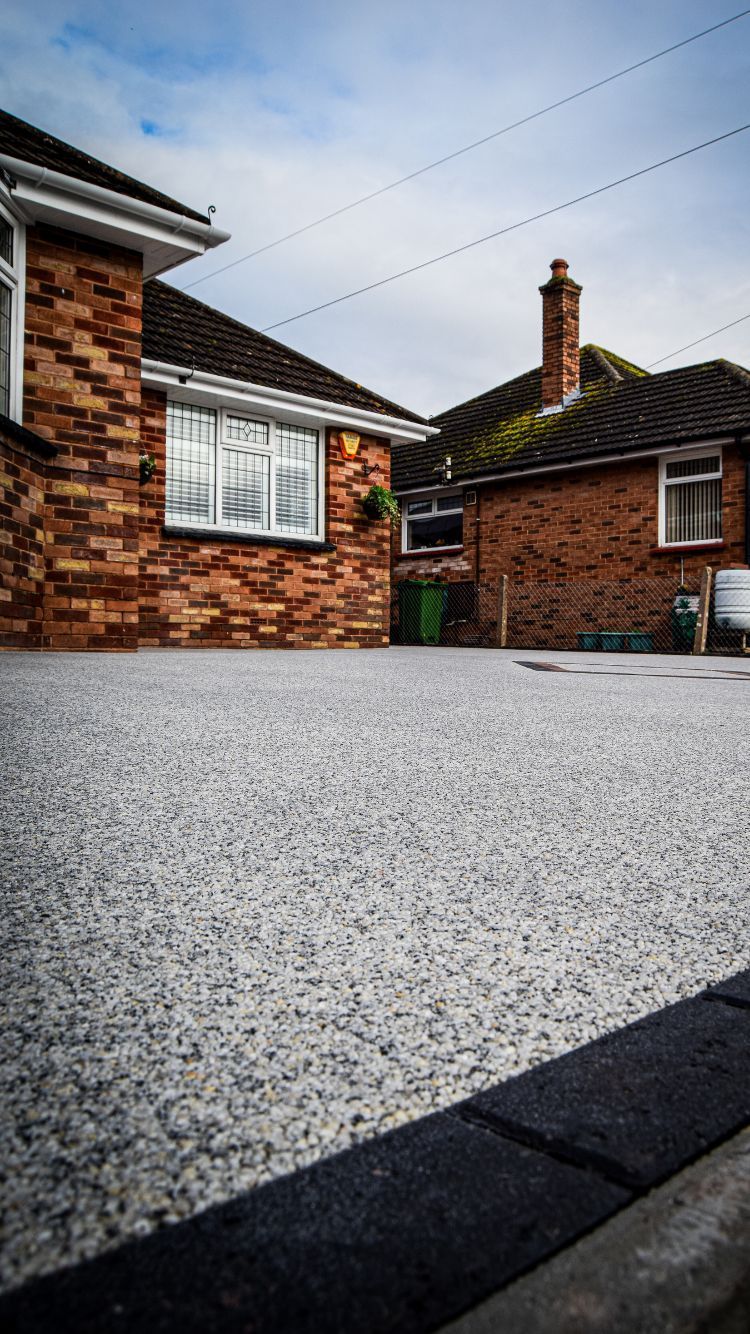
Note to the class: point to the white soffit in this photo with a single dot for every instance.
(165, 239)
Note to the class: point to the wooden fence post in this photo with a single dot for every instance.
(704, 611)
(501, 636)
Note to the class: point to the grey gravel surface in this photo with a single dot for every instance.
(258, 906)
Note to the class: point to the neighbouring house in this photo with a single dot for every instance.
(587, 468)
(251, 529)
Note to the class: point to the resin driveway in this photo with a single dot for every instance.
(258, 906)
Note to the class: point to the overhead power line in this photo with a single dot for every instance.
(696, 341)
(503, 231)
(477, 143)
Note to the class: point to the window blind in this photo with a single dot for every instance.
(693, 511)
(244, 488)
(6, 302)
(191, 463)
(296, 479)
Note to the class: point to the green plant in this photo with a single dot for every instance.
(684, 617)
(380, 503)
(147, 464)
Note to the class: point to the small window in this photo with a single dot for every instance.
(690, 499)
(249, 432)
(6, 241)
(441, 523)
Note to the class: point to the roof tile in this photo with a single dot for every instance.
(181, 331)
(621, 408)
(28, 144)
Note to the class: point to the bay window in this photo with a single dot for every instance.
(433, 523)
(228, 470)
(690, 498)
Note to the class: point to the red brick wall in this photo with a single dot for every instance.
(21, 545)
(214, 593)
(589, 523)
(82, 391)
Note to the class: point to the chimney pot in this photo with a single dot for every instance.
(559, 268)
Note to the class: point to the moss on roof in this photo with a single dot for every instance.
(528, 430)
(622, 407)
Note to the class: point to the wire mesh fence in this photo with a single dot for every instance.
(636, 615)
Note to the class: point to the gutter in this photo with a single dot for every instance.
(564, 466)
(163, 373)
(175, 223)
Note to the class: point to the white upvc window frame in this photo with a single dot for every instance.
(407, 518)
(699, 452)
(268, 449)
(13, 276)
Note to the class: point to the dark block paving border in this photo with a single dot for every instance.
(392, 1235)
(407, 1231)
(637, 1104)
(735, 991)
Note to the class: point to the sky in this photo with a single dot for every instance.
(277, 113)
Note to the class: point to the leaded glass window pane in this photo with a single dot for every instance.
(296, 479)
(191, 463)
(6, 303)
(6, 241)
(244, 489)
(247, 431)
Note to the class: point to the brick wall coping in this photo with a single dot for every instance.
(234, 535)
(20, 436)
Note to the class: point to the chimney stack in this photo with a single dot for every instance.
(560, 354)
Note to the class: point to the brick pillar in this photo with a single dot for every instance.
(560, 351)
(82, 391)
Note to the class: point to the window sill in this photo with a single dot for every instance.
(234, 535)
(429, 551)
(685, 548)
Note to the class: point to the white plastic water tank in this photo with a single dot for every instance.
(732, 599)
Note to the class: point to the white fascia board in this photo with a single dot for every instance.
(202, 387)
(534, 470)
(164, 238)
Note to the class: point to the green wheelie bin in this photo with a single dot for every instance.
(420, 611)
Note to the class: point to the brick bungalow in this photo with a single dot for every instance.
(586, 468)
(250, 531)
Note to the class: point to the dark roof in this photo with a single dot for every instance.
(621, 408)
(28, 144)
(181, 331)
